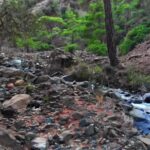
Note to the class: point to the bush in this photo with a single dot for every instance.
(133, 37)
(137, 79)
(98, 48)
(32, 44)
(83, 72)
(71, 47)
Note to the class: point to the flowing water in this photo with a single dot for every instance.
(138, 106)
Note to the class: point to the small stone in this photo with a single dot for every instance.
(10, 86)
(67, 135)
(30, 88)
(56, 139)
(146, 97)
(40, 143)
(19, 124)
(144, 140)
(84, 123)
(19, 82)
(35, 104)
(40, 79)
(30, 136)
(64, 120)
(90, 130)
(8, 112)
(49, 121)
(77, 116)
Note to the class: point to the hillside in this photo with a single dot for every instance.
(74, 75)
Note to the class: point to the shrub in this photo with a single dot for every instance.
(71, 47)
(97, 47)
(48, 19)
(137, 79)
(133, 37)
(32, 43)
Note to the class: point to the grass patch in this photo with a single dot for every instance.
(138, 79)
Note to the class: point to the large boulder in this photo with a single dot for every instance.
(18, 102)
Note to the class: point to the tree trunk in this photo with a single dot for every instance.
(111, 45)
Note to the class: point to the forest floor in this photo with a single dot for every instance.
(42, 107)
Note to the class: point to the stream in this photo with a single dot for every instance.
(136, 105)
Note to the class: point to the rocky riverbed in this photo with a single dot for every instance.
(42, 108)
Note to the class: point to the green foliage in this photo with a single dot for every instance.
(31, 43)
(85, 71)
(133, 37)
(82, 31)
(96, 69)
(71, 47)
(51, 19)
(97, 47)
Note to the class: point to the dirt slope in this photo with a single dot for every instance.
(139, 57)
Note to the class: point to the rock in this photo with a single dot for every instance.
(30, 136)
(2, 94)
(63, 120)
(19, 124)
(8, 140)
(68, 78)
(112, 118)
(84, 84)
(8, 113)
(10, 86)
(30, 88)
(146, 97)
(18, 102)
(10, 72)
(29, 76)
(55, 80)
(56, 139)
(67, 135)
(77, 115)
(90, 130)
(35, 104)
(44, 85)
(49, 121)
(2, 56)
(145, 140)
(40, 7)
(84, 123)
(19, 82)
(40, 143)
(40, 79)
(16, 63)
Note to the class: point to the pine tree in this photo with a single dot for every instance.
(112, 52)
